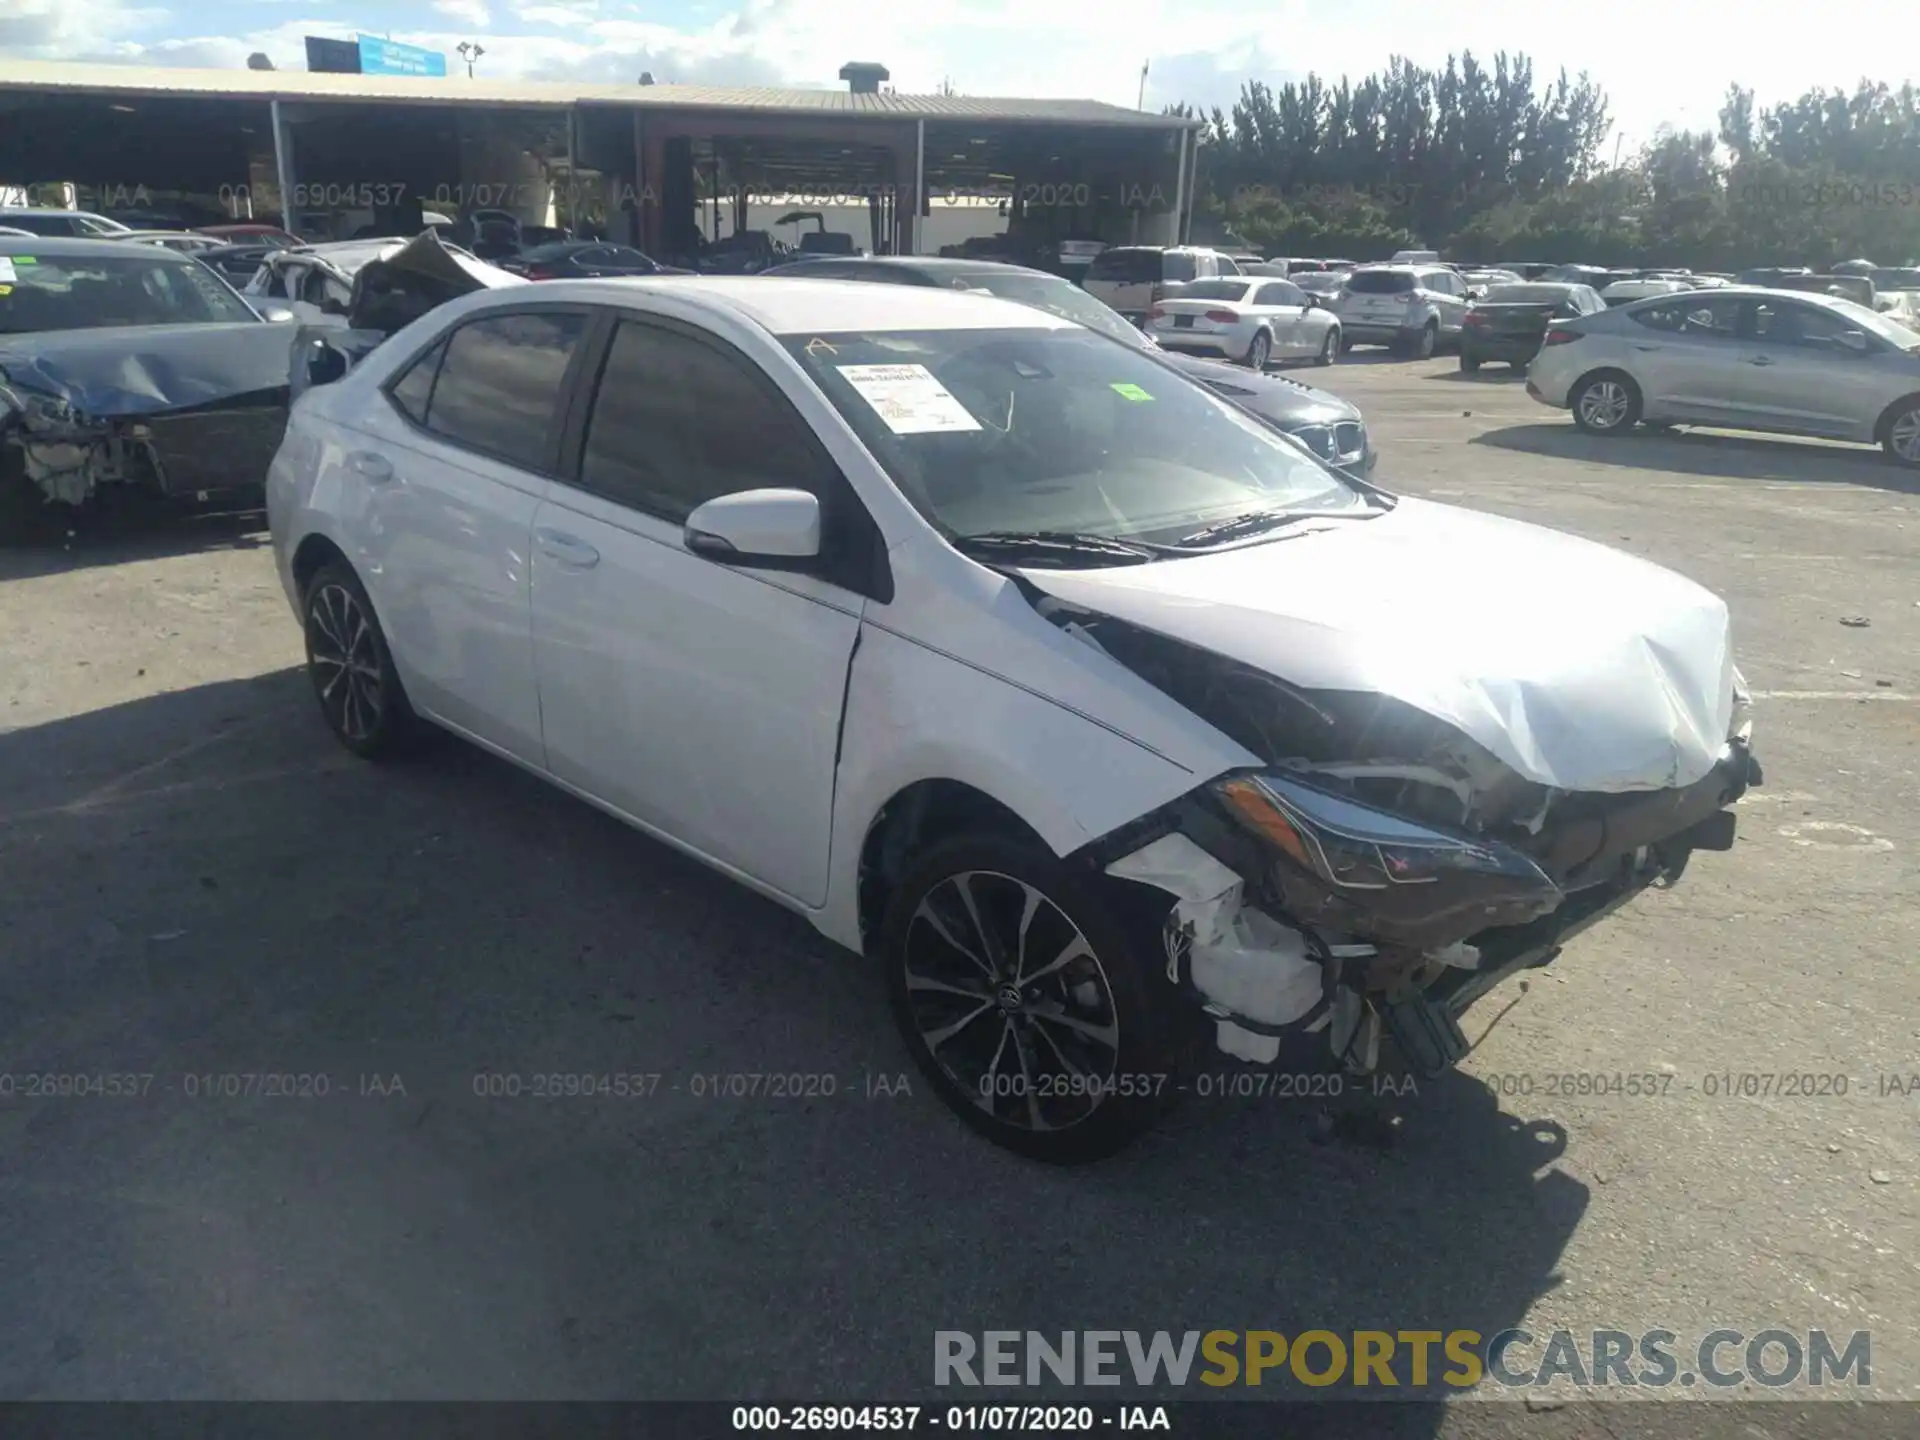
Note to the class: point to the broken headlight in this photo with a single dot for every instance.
(1358, 847)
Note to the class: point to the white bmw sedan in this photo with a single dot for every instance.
(1109, 721)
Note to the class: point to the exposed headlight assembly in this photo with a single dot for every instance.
(1358, 847)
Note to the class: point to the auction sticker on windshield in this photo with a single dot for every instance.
(909, 399)
(1130, 392)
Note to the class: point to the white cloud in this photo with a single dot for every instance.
(473, 12)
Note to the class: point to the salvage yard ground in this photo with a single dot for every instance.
(200, 883)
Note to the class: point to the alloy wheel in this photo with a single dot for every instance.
(1258, 351)
(1604, 404)
(1010, 1000)
(1329, 347)
(1903, 436)
(345, 658)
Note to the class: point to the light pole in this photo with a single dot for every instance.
(1141, 103)
(470, 52)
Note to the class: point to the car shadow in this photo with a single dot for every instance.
(1491, 372)
(55, 540)
(203, 885)
(1710, 453)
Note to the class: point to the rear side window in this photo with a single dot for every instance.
(414, 389)
(1380, 282)
(500, 381)
(1177, 268)
(1126, 266)
(1282, 292)
(677, 423)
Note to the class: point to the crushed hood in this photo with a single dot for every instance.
(147, 369)
(1579, 666)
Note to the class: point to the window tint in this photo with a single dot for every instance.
(413, 389)
(1177, 268)
(1715, 319)
(1799, 325)
(500, 381)
(677, 422)
(1380, 282)
(1126, 265)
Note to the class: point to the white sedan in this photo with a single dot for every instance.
(1251, 320)
(1107, 720)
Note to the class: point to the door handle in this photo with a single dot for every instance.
(1649, 347)
(374, 467)
(567, 549)
(1760, 360)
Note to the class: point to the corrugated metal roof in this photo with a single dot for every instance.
(54, 76)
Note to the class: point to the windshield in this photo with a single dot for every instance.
(71, 292)
(1380, 282)
(1058, 297)
(1057, 431)
(1215, 290)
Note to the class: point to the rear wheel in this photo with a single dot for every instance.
(1259, 351)
(1424, 342)
(360, 694)
(1902, 440)
(1331, 346)
(1034, 1009)
(1605, 404)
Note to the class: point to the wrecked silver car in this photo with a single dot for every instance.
(133, 366)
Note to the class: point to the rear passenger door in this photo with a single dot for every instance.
(699, 698)
(1685, 355)
(442, 481)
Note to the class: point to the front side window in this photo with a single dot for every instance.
(677, 422)
(1696, 317)
(990, 432)
(1282, 293)
(499, 384)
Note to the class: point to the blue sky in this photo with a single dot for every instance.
(1660, 63)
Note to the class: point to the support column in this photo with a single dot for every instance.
(283, 171)
(1180, 186)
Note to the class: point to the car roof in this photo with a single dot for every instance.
(799, 306)
(931, 264)
(48, 210)
(67, 245)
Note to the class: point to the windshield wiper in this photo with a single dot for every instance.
(1254, 521)
(1061, 543)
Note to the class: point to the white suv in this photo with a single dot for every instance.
(1412, 308)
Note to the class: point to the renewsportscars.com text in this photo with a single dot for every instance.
(1412, 1359)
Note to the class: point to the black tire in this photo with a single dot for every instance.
(1346, 346)
(1259, 351)
(1469, 363)
(1605, 403)
(360, 694)
(1108, 1009)
(1427, 341)
(24, 511)
(1330, 347)
(1901, 437)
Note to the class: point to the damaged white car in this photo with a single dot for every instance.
(1108, 720)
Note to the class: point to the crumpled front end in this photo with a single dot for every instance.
(1379, 871)
(182, 410)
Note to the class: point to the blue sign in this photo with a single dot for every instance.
(385, 57)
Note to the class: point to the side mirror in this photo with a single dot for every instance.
(771, 529)
(1854, 340)
(277, 315)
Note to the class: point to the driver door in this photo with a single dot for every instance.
(699, 698)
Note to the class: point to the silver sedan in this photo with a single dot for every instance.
(1745, 359)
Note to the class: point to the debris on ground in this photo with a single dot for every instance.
(1855, 622)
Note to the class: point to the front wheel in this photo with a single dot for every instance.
(1606, 404)
(360, 694)
(1035, 1011)
(1902, 442)
(1329, 347)
(1258, 351)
